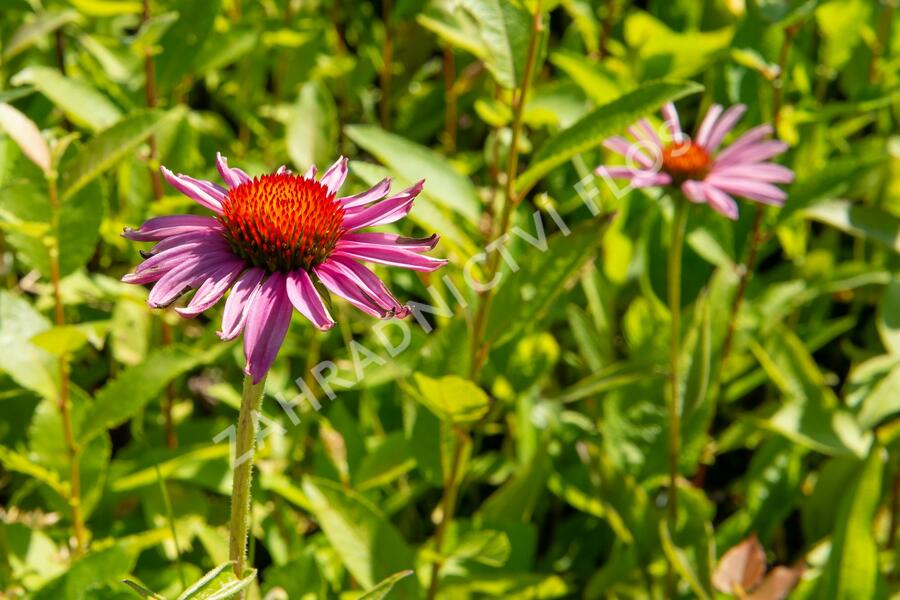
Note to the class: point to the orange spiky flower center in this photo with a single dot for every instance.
(684, 160)
(282, 222)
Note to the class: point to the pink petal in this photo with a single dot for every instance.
(379, 239)
(202, 192)
(750, 188)
(212, 289)
(770, 172)
(384, 212)
(753, 153)
(370, 284)
(334, 177)
(211, 238)
(750, 137)
(394, 257)
(376, 192)
(725, 124)
(267, 325)
(341, 285)
(239, 302)
(159, 228)
(693, 191)
(310, 172)
(709, 121)
(670, 114)
(631, 151)
(232, 177)
(303, 295)
(181, 279)
(720, 201)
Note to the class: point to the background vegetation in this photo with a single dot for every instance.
(518, 456)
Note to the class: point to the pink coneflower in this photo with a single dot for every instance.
(272, 238)
(703, 173)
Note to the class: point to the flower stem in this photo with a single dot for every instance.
(387, 59)
(72, 450)
(251, 398)
(448, 506)
(480, 349)
(674, 405)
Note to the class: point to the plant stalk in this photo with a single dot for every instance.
(479, 349)
(245, 442)
(675, 402)
(448, 506)
(72, 449)
(387, 59)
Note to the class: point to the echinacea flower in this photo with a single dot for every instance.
(271, 240)
(696, 165)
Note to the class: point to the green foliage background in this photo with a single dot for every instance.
(559, 441)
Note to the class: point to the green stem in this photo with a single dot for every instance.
(448, 506)
(481, 348)
(674, 405)
(251, 398)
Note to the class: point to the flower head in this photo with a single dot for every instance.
(272, 239)
(696, 165)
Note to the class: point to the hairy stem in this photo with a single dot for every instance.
(480, 349)
(674, 405)
(72, 449)
(448, 506)
(245, 441)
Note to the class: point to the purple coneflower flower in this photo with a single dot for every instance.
(271, 239)
(703, 173)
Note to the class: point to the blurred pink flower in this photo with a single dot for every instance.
(271, 239)
(695, 165)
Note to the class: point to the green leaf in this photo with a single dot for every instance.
(452, 399)
(505, 30)
(81, 103)
(604, 121)
(860, 221)
(182, 42)
(889, 318)
(852, 570)
(26, 134)
(380, 591)
(367, 543)
(142, 591)
(682, 563)
(87, 575)
(111, 145)
(391, 459)
(124, 396)
(61, 341)
(19, 463)
(35, 29)
(526, 294)
(28, 365)
(312, 132)
(219, 584)
(442, 183)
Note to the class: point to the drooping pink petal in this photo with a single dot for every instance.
(306, 299)
(720, 201)
(693, 191)
(709, 121)
(183, 253)
(750, 188)
(379, 239)
(205, 195)
(376, 192)
(631, 151)
(158, 228)
(182, 278)
(657, 179)
(334, 177)
(267, 324)
(238, 303)
(770, 172)
(670, 114)
(391, 256)
(233, 177)
(384, 212)
(212, 289)
(725, 124)
(345, 287)
(211, 238)
(650, 133)
(369, 283)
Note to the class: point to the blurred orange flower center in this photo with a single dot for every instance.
(684, 160)
(282, 221)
